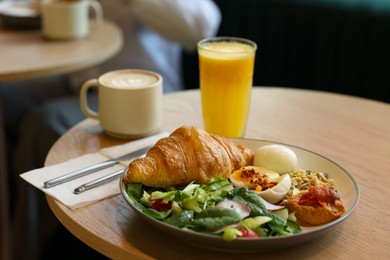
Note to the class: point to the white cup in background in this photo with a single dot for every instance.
(129, 102)
(65, 20)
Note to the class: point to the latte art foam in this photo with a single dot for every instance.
(129, 80)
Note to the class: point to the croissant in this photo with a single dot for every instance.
(188, 154)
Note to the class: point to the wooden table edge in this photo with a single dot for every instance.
(64, 69)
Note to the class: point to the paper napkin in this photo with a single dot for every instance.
(64, 192)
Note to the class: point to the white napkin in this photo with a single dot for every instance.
(64, 192)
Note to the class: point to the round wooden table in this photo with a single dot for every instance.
(353, 132)
(27, 54)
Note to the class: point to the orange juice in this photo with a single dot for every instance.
(226, 73)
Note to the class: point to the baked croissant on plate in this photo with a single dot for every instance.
(188, 154)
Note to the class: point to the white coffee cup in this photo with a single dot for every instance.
(65, 20)
(129, 102)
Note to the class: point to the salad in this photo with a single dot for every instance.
(216, 208)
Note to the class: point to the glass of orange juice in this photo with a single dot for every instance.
(226, 72)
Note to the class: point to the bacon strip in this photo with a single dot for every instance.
(319, 197)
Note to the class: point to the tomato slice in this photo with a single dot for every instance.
(159, 206)
(248, 233)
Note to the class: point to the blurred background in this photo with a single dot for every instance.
(340, 46)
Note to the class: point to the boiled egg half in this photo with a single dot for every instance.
(267, 183)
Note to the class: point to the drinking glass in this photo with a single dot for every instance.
(226, 67)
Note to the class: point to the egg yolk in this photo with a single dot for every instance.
(253, 179)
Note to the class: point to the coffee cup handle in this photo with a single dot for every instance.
(83, 99)
(98, 11)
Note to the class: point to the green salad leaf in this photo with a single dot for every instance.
(193, 207)
(160, 215)
(212, 219)
(181, 219)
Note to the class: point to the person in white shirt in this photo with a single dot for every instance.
(156, 32)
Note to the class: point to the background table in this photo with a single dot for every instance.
(353, 132)
(27, 54)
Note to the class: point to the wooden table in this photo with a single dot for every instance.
(27, 54)
(351, 131)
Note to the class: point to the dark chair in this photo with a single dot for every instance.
(5, 235)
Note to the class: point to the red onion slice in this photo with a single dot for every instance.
(225, 227)
(241, 208)
(270, 206)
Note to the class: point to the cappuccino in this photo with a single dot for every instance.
(129, 79)
(130, 102)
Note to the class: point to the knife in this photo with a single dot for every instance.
(98, 182)
(95, 167)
